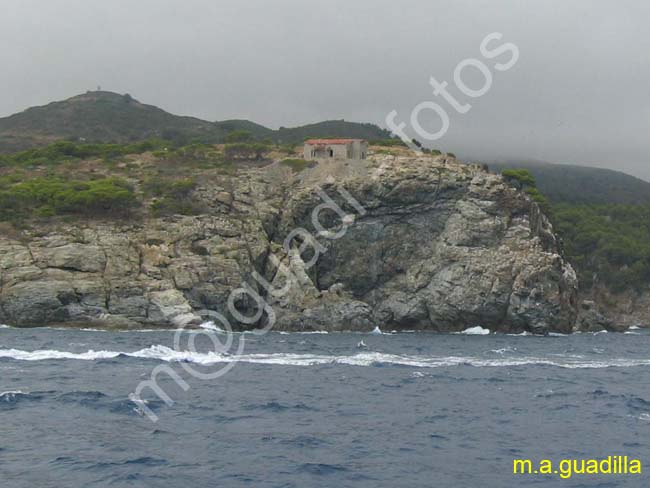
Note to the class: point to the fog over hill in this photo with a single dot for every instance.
(576, 94)
(565, 183)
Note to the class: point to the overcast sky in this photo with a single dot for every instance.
(579, 91)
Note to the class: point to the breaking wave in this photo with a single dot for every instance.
(9, 396)
(476, 331)
(166, 354)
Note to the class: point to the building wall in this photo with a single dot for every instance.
(331, 151)
(359, 150)
(352, 150)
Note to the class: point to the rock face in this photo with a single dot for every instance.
(591, 320)
(395, 242)
(615, 311)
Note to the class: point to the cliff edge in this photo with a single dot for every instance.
(426, 243)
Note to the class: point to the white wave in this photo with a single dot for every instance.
(52, 354)
(152, 330)
(10, 396)
(368, 359)
(550, 334)
(310, 332)
(478, 330)
(634, 327)
(113, 331)
(503, 350)
(378, 331)
(211, 326)
(12, 393)
(164, 353)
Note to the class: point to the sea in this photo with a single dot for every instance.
(316, 409)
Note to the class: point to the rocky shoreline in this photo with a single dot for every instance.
(438, 246)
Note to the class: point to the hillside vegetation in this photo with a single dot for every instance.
(106, 117)
(563, 183)
(99, 117)
(115, 181)
(608, 243)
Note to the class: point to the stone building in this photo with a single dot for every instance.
(335, 149)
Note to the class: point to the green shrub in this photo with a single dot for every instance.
(395, 142)
(520, 178)
(238, 136)
(524, 180)
(172, 196)
(159, 187)
(63, 151)
(244, 151)
(296, 165)
(287, 148)
(540, 199)
(54, 196)
(196, 152)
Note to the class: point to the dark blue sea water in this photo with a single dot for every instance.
(299, 410)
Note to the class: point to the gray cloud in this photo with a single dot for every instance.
(578, 93)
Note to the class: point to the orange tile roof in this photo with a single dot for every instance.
(320, 142)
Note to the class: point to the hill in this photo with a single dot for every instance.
(601, 216)
(110, 117)
(564, 183)
(98, 117)
(257, 131)
(332, 128)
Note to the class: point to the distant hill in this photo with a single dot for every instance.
(563, 183)
(97, 117)
(333, 128)
(110, 117)
(258, 131)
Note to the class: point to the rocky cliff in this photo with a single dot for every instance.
(603, 309)
(425, 243)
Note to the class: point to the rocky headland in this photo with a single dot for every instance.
(438, 246)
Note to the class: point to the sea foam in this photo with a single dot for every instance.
(476, 331)
(166, 354)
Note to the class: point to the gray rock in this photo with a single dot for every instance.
(435, 247)
(72, 256)
(591, 320)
